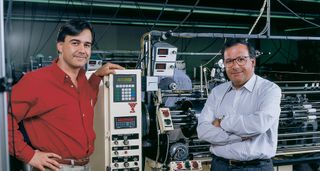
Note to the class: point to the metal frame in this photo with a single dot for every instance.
(4, 154)
(247, 36)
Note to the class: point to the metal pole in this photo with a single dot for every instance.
(201, 81)
(243, 36)
(268, 17)
(4, 154)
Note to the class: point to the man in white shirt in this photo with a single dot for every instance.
(240, 118)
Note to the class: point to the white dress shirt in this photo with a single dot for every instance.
(251, 111)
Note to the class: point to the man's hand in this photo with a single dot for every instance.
(107, 69)
(42, 160)
(216, 122)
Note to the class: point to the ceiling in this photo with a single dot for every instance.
(222, 15)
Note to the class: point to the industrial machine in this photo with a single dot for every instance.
(118, 123)
(180, 149)
(154, 127)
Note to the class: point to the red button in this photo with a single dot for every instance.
(179, 166)
(165, 113)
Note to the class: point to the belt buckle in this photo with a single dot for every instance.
(72, 163)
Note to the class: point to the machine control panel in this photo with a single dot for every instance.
(185, 165)
(118, 132)
(125, 88)
(165, 120)
(125, 122)
(164, 56)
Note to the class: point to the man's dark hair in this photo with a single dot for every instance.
(233, 42)
(74, 27)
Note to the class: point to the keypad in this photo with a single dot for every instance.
(125, 92)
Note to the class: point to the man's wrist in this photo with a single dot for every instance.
(96, 74)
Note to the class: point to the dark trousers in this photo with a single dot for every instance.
(221, 164)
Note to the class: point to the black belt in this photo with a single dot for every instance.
(241, 163)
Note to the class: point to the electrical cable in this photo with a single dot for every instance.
(96, 44)
(75, 9)
(43, 28)
(142, 53)
(91, 10)
(31, 29)
(141, 14)
(23, 28)
(214, 56)
(186, 45)
(274, 54)
(298, 16)
(83, 4)
(191, 11)
(283, 54)
(139, 62)
(207, 47)
(163, 7)
(167, 152)
(205, 69)
(261, 12)
(10, 112)
(265, 29)
(158, 136)
(54, 29)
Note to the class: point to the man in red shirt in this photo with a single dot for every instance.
(56, 105)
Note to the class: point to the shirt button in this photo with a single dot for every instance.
(83, 115)
(67, 76)
(71, 86)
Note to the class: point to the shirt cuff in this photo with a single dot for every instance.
(223, 125)
(95, 79)
(26, 154)
(235, 138)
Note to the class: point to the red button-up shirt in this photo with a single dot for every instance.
(57, 115)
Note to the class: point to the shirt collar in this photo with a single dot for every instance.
(60, 74)
(249, 85)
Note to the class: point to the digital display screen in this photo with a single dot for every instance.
(125, 122)
(124, 79)
(163, 51)
(92, 62)
(160, 66)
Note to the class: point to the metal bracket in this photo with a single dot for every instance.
(5, 84)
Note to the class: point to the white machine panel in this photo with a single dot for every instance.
(165, 52)
(165, 56)
(165, 120)
(118, 123)
(164, 69)
(94, 64)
